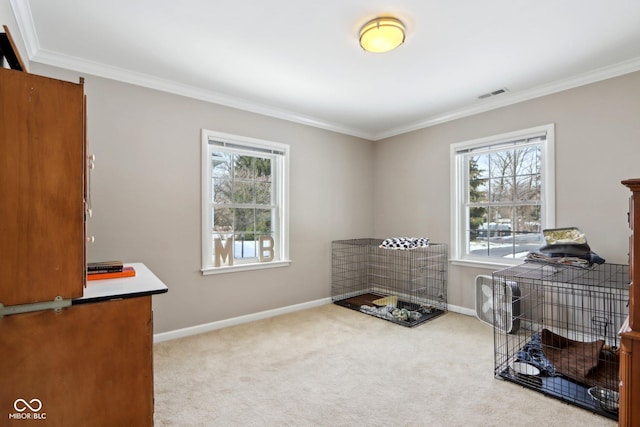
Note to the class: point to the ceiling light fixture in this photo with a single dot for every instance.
(382, 35)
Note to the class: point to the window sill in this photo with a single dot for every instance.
(244, 267)
(487, 264)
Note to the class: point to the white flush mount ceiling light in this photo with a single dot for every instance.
(382, 35)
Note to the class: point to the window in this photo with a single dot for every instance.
(244, 203)
(502, 195)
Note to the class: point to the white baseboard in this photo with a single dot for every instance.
(198, 329)
(461, 310)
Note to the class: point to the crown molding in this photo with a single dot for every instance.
(26, 26)
(511, 98)
(56, 59)
(127, 76)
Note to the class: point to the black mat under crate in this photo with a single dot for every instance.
(559, 388)
(357, 302)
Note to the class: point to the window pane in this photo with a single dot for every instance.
(221, 165)
(479, 191)
(501, 190)
(476, 234)
(244, 167)
(499, 232)
(243, 191)
(528, 188)
(222, 219)
(501, 220)
(221, 190)
(244, 221)
(263, 169)
(527, 219)
(477, 217)
(263, 193)
(479, 167)
(500, 164)
(263, 222)
(528, 161)
(244, 246)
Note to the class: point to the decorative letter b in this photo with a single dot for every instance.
(266, 248)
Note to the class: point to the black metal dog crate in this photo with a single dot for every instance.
(567, 343)
(407, 287)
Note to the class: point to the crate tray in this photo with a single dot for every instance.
(355, 302)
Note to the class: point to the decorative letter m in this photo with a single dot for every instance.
(222, 252)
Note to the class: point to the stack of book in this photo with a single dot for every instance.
(108, 270)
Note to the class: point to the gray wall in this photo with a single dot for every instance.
(597, 145)
(145, 191)
(146, 197)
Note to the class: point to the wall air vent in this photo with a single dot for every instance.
(494, 93)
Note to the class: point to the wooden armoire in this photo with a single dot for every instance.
(629, 405)
(70, 355)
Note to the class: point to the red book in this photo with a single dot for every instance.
(126, 272)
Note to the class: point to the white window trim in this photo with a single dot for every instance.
(458, 175)
(282, 181)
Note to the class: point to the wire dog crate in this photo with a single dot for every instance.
(567, 343)
(407, 287)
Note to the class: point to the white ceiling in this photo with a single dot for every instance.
(300, 60)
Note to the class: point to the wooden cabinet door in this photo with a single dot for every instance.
(86, 365)
(42, 162)
(629, 412)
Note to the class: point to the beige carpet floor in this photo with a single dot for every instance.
(331, 366)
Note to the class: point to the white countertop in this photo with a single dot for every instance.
(143, 283)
